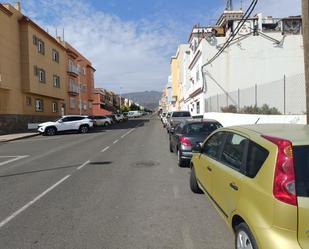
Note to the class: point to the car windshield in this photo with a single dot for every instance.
(181, 114)
(200, 128)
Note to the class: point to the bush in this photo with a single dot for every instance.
(265, 109)
(230, 109)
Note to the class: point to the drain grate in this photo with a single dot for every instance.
(144, 164)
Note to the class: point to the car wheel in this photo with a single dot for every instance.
(106, 124)
(181, 162)
(83, 129)
(50, 131)
(171, 148)
(244, 238)
(193, 183)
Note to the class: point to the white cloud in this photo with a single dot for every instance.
(133, 56)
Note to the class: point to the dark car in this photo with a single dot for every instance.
(188, 133)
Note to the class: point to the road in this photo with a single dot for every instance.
(113, 188)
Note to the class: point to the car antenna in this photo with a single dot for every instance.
(257, 121)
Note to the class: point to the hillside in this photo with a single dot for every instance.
(148, 99)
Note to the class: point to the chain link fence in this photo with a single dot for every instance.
(287, 95)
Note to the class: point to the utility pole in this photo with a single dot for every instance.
(305, 17)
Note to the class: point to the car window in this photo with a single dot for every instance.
(255, 158)
(76, 118)
(233, 150)
(213, 145)
(198, 128)
(301, 162)
(66, 119)
(181, 114)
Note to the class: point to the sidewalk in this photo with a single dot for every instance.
(12, 137)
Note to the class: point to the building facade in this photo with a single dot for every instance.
(32, 84)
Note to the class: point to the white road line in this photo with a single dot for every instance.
(105, 149)
(187, 238)
(83, 165)
(19, 211)
(127, 133)
(16, 158)
(116, 141)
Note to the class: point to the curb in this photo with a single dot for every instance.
(19, 138)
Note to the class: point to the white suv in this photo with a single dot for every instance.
(66, 123)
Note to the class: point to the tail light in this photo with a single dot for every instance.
(185, 141)
(284, 179)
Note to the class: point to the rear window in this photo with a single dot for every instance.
(181, 114)
(301, 164)
(255, 159)
(199, 128)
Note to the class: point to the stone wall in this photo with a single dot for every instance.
(11, 123)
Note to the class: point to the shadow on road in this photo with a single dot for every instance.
(52, 169)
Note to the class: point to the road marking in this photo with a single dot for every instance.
(83, 165)
(187, 238)
(16, 158)
(127, 133)
(19, 211)
(105, 149)
(176, 192)
(116, 141)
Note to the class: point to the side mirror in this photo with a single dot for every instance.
(197, 148)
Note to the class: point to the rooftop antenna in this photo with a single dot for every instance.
(56, 32)
(63, 34)
(240, 4)
(229, 5)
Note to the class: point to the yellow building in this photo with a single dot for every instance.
(32, 72)
(175, 83)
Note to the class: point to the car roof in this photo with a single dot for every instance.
(192, 120)
(296, 133)
(69, 116)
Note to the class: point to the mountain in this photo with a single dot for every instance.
(148, 99)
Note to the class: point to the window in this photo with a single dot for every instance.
(181, 114)
(56, 81)
(85, 105)
(72, 102)
(84, 88)
(55, 55)
(54, 107)
(41, 73)
(41, 46)
(198, 108)
(301, 161)
(233, 150)
(201, 128)
(28, 101)
(213, 145)
(90, 105)
(84, 71)
(39, 105)
(255, 159)
(79, 104)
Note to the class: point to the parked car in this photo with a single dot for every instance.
(134, 114)
(66, 123)
(176, 117)
(112, 117)
(101, 120)
(166, 118)
(125, 116)
(187, 134)
(119, 117)
(257, 176)
(162, 115)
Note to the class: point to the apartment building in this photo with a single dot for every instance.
(79, 82)
(32, 75)
(101, 104)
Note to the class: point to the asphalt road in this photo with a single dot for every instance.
(114, 188)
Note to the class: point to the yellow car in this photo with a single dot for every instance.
(257, 177)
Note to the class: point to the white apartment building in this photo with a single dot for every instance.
(264, 64)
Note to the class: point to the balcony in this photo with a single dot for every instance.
(72, 71)
(73, 90)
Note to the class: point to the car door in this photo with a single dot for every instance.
(76, 122)
(207, 159)
(175, 136)
(66, 124)
(227, 176)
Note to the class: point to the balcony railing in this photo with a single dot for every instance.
(73, 89)
(73, 70)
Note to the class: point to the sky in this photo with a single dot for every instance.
(130, 42)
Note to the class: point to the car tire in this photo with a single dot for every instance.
(193, 183)
(181, 162)
(244, 237)
(50, 131)
(106, 124)
(171, 148)
(83, 129)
